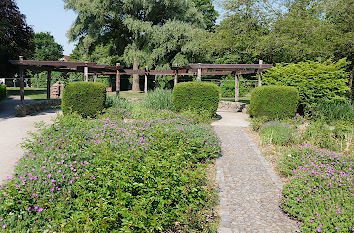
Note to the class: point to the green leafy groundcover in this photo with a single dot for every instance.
(320, 189)
(105, 175)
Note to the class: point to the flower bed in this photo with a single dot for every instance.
(320, 189)
(102, 175)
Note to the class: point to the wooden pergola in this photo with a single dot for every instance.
(94, 69)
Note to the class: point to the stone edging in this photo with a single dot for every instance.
(38, 106)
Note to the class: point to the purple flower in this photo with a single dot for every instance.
(40, 210)
(29, 208)
(319, 230)
(3, 226)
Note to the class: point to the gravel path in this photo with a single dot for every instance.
(249, 189)
(12, 132)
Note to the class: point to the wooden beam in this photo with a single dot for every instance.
(176, 78)
(49, 79)
(229, 66)
(260, 73)
(117, 80)
(22, 84)
(199, 74)
(146, 80)
(237, 87)
(86, 73)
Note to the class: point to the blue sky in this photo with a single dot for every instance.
(50, 16)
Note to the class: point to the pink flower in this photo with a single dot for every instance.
(40, 210)
(319, 230)
(3, 226)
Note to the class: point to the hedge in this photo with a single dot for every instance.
(274, 102)
(84, 98)
(3, 92)
(196, 96)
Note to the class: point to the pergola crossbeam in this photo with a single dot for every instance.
(95, 69)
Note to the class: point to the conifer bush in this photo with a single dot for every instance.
(274, 102)
(196, 96)
(85, 98)
(314, 80)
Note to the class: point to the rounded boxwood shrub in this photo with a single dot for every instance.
(196, 96)
(274, 102)
(3, 92)
(84, 98)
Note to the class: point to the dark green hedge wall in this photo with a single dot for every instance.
(196, 96)
(84, 98)
(274, 102)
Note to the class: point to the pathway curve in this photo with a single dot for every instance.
(12, 131)
(249, 189)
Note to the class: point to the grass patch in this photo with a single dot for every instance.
(32, 93)
(129, 94)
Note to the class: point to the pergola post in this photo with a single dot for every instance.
(86, 73)
(117, 80)
(22, 85)
(199, 74)
(146, 80)
(176, 78)
(49, 79)
(237, 87)
(260, 73)
(94, 77)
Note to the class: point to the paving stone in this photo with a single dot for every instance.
(249, 188)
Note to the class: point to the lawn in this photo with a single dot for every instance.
(32, 93)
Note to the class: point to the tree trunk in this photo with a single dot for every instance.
(136, 86)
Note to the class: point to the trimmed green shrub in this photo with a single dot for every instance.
(3, 92)
(314, 80)
(196, 96)
(85, 98)
(274, 102)
(159, 99)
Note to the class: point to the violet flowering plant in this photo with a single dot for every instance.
(319, 191)
(104, 174)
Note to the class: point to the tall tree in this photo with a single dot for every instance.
(210, 15)
(45, 47)
(15, 35)
(128, 26)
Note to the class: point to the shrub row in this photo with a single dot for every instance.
(85, 98)
(274, 102)
(3, 92)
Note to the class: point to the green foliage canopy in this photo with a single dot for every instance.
(46, 49)
(15, 35)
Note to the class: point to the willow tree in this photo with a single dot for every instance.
(131, 29)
